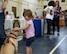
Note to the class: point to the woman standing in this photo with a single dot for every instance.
(3, 4)
(57, 12)
(49, 15)
(29, 30)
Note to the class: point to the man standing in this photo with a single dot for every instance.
(3, 4)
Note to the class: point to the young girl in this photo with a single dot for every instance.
(29, 29)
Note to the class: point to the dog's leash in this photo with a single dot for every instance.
(8, 41)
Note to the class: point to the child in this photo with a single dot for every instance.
(29, 29)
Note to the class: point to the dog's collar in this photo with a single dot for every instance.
(7, 41)
(13, 34)
(12, 37)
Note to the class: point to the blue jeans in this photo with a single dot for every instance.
(2, 31)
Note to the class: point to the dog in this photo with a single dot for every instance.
(10, 45)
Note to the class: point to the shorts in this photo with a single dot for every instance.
(29, 41)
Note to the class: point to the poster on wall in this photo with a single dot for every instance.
(39, 12)
(16, 23)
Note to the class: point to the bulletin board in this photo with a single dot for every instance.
(39, 11)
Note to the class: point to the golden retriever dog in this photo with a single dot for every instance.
(10, 45)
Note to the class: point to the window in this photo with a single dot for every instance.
(14, 11)
(62, 0)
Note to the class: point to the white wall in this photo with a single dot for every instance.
(63, 5)
(19, 8)
(30, 4)
(21, 5)
(9, 6)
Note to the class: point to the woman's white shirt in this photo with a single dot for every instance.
(48, 15)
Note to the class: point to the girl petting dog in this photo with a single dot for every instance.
(29, 29)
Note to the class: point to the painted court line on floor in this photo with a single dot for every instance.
(53, 50)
